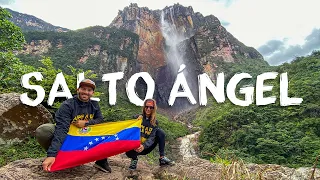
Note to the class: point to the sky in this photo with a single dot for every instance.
(279, 29)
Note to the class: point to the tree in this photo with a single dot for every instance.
(11, 68)
(11, 37)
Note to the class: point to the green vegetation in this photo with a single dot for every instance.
(269, 134)
(49, 73)
(11, 69)
(11, 37)
(266, 134)
(95, 43)
(27, 149)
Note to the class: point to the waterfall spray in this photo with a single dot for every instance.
(173, 39)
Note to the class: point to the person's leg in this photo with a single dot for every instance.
(134, 159)
(148, 150)
(103, 165)
(132, 154)
(163, 160)
(44, 135)
(161, 138)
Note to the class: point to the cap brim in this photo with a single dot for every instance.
(86, 84)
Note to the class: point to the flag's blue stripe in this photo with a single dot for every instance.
(72, 143)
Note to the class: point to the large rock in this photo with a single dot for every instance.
(18, 121)
(193, 168)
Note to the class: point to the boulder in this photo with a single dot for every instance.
(19, 121)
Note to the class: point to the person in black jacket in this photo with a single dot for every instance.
(151, 135)
(80, 111)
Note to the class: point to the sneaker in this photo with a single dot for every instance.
(133, 164)
(103, 165)
(166, 161)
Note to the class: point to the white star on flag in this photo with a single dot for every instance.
(90, 143)
(116, 135)
(96, 139)
(102, 137)
(85, 148)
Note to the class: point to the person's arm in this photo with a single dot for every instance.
(63, 119)
(98, 118)
(136, 116)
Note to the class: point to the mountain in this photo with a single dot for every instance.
(31, 23)
(153, 41)
(211, 39)
(177, 35)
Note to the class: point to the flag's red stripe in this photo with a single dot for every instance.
(67, 159)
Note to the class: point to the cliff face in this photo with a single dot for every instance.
(100, 49)
(176, 35)
(145, 23)
(153, 41)
(211, 38)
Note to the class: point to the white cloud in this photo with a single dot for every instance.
(253, 22)
(6, 2)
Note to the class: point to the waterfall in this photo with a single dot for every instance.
(174, 51)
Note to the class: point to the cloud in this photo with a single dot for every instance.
(270, 47)
(6, 2)
(224, 23)
(227, 3)
(251, 21)
(276, 52)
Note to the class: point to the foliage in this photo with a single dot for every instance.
(11, 37)
(273, 133)
(94, 43)
(27, 149)
(11, 70)
(49, 73)
(172, 129)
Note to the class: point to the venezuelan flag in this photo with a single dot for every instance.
(83, 145)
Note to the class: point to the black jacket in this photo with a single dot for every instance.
(148, 131)
(72, 110)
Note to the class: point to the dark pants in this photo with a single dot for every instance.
(160, 139)
(44, 135)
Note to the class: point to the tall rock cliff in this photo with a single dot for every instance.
(153, 41)
(177, 35)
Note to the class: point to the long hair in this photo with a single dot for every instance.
(153, 112)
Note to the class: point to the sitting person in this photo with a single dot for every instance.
(80, 111)
(151, 135)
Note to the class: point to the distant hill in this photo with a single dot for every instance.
(31, 23)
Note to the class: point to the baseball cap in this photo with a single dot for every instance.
(88, 82)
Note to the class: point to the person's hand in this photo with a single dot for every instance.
(140, 117)
(140, 149)
(47, 163)
(80, 123)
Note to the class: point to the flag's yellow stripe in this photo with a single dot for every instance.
(102, 129)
